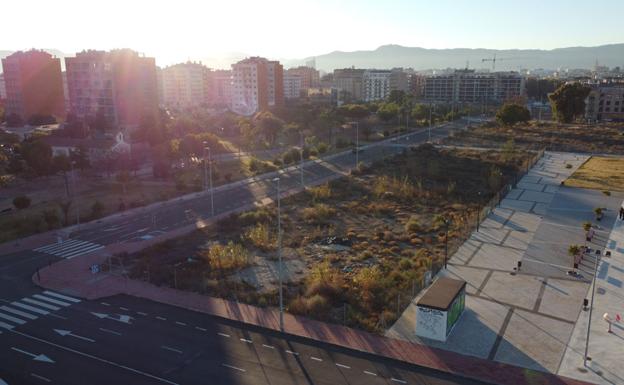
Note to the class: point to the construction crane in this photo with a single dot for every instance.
(494, 60)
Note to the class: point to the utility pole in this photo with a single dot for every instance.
(205, 168)
(446, 222)
(210, 178)
(279, 256)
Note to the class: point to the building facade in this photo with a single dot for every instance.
(376, 85)
(349, 84)
(468, 86)
(120, 86)
(2, 87)
(293, 85)
(605, 102)
(33, 85)
(186, 85)
(222, 88)
(310, 77)
(257, 84)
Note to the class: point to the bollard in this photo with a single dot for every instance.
(585, 304)
(519, 265)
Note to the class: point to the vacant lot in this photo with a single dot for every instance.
(355, 250)
(552, 136)
(599, 173)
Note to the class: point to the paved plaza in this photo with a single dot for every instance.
(529, 318)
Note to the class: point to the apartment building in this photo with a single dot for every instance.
(605, 102)
(2, 87)
(119, 85)
(222, 88)
(349, 83)
(293, 85)
(257, 84)
(186, 85)
(379, 83)
(310, 77)
(468, 86)
(33, 85)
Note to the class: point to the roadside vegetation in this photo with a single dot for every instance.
(599, 173)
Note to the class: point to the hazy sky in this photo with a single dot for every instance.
(173, 31)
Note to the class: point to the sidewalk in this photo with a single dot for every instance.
(605, 349)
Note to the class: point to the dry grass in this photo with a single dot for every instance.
(599, 173)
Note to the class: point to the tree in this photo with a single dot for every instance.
(97, 209)
(568, 101)
(65, 206)
(81, 158)
(41, 119)
(511, 113)
(397, 96)
(38, 155)
(388, 111)
(51, 218)
(123, 178)
(354, 111)
(21, 202)
(538, 89)
(420, 112)
(269, 126)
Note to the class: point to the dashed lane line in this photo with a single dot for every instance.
(42, 378)
(316, 359)
(343, 366)
(234, 367)
(110, 331)
(397, 380)
(370, 373)
(160, 318)
(180, 323)
(224, 335)
(246, 340)
(268, 346)
(171, 349)
(202, 329)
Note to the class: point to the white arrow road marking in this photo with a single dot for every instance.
(234, 367)
(42, 378)
(69, 333)
(122, 317)
(36, 357)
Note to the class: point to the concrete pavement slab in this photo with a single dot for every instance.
(540, 208)
(563, 298)
(518, 239)
(517, 205)
(525, 291)
(514, 193)
(530, 186)
(496, 257)
(535, 196)
(466, 251)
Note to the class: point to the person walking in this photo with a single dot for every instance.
(622, 212)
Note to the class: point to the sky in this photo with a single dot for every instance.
(175, 31)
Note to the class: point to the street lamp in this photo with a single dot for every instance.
(301, 158)
(279, 256)
(591, 308)
(446, 223)
(210, 173)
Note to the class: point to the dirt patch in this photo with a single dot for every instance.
(599, 173)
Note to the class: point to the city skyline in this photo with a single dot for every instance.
(189, 30)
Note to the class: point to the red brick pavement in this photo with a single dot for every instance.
(73, 277)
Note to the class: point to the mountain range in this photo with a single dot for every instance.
(390, 56)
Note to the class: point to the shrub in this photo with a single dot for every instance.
(413, 225)
(261, 237)
(320, 193)
(21, 202)
(51, 218)
(256, 216)
(97, 209)
(226, 257)
(318, 214)
(322, 148)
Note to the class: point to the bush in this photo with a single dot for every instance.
(413, 225)
(51, 218)
(321, 193)
(261, 215)
(226, 257)
(322, 148)
(97, 210)
(318, 214)
(261, 237)
(21, 202)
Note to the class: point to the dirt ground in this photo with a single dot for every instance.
(607, 138)
(352, 249)
(599, 173)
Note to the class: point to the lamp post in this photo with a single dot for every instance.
(71, 164)
(279, 256)
(210, 178)
(446, 223)
(591, 308)
(301, 158)
(478, 209)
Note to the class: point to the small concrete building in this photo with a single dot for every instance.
(439, 309)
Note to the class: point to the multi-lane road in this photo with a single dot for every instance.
(49, 337)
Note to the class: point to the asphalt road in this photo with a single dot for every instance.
(47, 338)
(126, 340)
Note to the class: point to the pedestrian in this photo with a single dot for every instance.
(621, 212)
(38, 276)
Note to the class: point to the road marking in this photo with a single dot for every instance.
(110, 331)
(180, 323)
(397, 380)
(105, 303)
(171, 349)
(16, 320)
(161, 318)
(224, 335)
(18, 312)
(35, 357)
(5, 326)
(42, 378)
(316, 359)
(291, 352)
(370, 373)
(57, 316)
(268, 346)
(31, 308)
(343, 366)
(246, 340)
(202, 329)
(51, 300)
(141, 313)
(39, 303)
(61, 296)
(234, 367)
(69, 333)
(112, 363)
(123, 308)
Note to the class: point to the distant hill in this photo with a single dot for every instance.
(389, 56)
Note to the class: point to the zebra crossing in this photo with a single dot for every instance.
(70, 248)
(30, 308)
